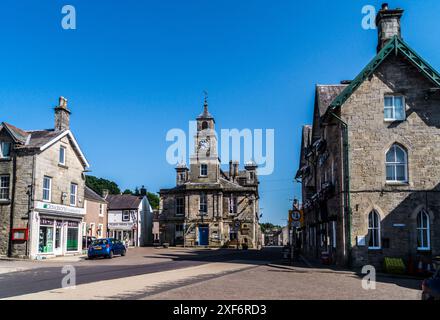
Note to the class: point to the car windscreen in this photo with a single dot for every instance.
(100, 242)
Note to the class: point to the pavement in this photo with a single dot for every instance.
(191, 274)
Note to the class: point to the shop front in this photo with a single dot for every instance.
(56, 230)
(126, 232)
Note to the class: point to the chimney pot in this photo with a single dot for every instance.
(384, 6)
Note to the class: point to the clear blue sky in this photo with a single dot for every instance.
(135, 69)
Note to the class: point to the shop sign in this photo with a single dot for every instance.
(72, 224)
(46, 222)
(58, 208)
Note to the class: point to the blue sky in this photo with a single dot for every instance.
(133, 69)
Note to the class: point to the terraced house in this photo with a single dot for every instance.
(209, 206)
(370, 163)
(41, 189)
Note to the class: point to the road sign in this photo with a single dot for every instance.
(296, 224)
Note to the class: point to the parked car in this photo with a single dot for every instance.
(87, 241)
(431, 287)
(106, 248)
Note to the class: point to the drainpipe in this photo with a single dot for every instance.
(347, 205)
(12, 205)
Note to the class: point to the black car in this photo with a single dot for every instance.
(431, 286)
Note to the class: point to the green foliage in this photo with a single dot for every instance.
(154, 199)
(127, 191)
(268, 226)
(99, 184)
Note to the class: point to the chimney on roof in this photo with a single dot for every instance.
(62, 115)
(105, 193)
(388, 24)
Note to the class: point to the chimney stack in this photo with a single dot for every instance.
(105, 193)
(62, 115)
(388, 24)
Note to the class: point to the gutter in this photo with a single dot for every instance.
(347, 196)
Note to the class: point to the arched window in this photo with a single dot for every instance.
(373, 230)
(397, 164)
(423, 231)
(204, 125)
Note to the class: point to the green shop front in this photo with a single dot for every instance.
(56, 230)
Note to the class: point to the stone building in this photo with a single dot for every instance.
(41, 189)
(209, 206)
(370, 163)
(95, 220)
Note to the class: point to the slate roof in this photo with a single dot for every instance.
(325, 94)
(123, 201)
(89, 194)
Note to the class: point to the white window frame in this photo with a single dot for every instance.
(203, 203)
(101, 209)
(73, 195)
(1, 149)
(125, 212)
(378, 245)
(203, 165)
(233, 205)
(7, 188)
(393, 108)
(63, 152)
(421, 229)
(396, 164)
(49, 190)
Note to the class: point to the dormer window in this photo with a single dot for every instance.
(62, 156)
(394, 109)
(203, 170)
(5, 149)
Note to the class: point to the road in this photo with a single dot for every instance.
(178, 273)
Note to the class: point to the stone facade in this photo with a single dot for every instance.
(344, 161)
(210, 207)
(35, 155)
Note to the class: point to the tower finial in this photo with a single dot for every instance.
(205, 105)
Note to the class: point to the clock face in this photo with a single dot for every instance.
(204, 144)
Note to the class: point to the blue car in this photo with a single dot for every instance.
(106, 248)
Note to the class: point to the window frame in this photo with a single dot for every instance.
(421, 229)
(393, 107)
(2, 143)
(181, 206)
(101, 209)
(203, 206)
(395, 164)
(63, 163)
(126, 212)
(203, 166)
(378, 245)
(73, 195)
(7, 188)
(233, 205)
(49, 190)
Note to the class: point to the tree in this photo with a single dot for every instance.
(153, 199)
(268, 226)
(99, 184)
(127, 191)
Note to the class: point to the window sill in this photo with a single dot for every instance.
(5, 201)
(374, 249)
(63, 166)
(396, 183)
(5, 159)
(393, 120)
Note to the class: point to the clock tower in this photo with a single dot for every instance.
(204, 162)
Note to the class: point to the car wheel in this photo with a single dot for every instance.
(123, 253)
(110, 256)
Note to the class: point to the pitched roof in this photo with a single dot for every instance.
(123, 201)
(89, 194)
(325, 94)
(41, 139)
(396, 45)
